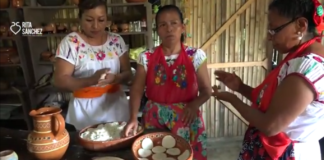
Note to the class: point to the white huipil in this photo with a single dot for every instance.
(308, 127)
(87, 59)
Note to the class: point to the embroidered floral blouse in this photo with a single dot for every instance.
(87, 59)
(197, 56)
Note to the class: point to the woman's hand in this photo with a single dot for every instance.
(224, 96)
(108, 78)
(103, 77)
(189, 113)
(231, 80)
(131, 128)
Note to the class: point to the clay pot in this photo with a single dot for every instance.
(45, 56)
(124, 27)
(4, 31)
(75, 2)
(157, 137)
(6, 54)
(114, 28)
(52, 58)
(74, 28)
(108, 145)
(49, 138)
(4, 3)
(61, 28)
(17, 3)
(14, 59)
(50, 28)
(8, 155)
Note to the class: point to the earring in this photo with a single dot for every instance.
(300, 37)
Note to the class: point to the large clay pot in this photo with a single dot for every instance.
(17, 3)
(49, 140)
(4, 3)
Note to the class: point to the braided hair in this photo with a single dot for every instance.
(294, 9)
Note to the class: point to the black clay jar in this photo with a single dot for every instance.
(51, 2)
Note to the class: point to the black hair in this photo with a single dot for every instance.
(85, 5)
(295, 9)
(167, 8)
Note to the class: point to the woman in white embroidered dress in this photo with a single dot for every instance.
(92, 64)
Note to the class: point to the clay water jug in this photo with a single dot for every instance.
(49, 140)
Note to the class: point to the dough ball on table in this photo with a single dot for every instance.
(173, 151)
(168, 142)
(147, 143)
(159, 156)
(158, 149)
(184, 156)
(144, 153)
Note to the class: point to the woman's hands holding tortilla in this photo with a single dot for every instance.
(104, 77)
(230, 80)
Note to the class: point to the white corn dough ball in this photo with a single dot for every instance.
(147, 143)
(144, 153)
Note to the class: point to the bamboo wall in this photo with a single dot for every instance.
(244, 40)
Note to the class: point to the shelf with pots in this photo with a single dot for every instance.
(16, 75)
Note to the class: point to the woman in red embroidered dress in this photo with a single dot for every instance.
(287, 114)
(172, 74)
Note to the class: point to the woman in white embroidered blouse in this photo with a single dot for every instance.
(92, 64)
(287, 112)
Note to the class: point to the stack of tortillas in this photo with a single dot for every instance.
(166, 151)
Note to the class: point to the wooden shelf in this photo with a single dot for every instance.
(75, 7)
(8, 92)
(12, 91)
(8, 9)
(45, 63)
(8, 38)
(10, 65)
(64, 34)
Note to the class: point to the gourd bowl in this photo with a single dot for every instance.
(108, 145)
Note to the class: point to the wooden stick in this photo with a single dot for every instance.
(263, 63)
(226, 25)
(232, 109)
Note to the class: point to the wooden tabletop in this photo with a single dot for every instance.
(16, 140)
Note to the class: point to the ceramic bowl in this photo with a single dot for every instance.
(157, 137)
(108, 145)
(8, 155)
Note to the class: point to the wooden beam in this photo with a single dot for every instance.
(226, 24)
(234, 111)
(263, 63)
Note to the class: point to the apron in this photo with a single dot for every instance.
(256, 145)
(169, 89)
